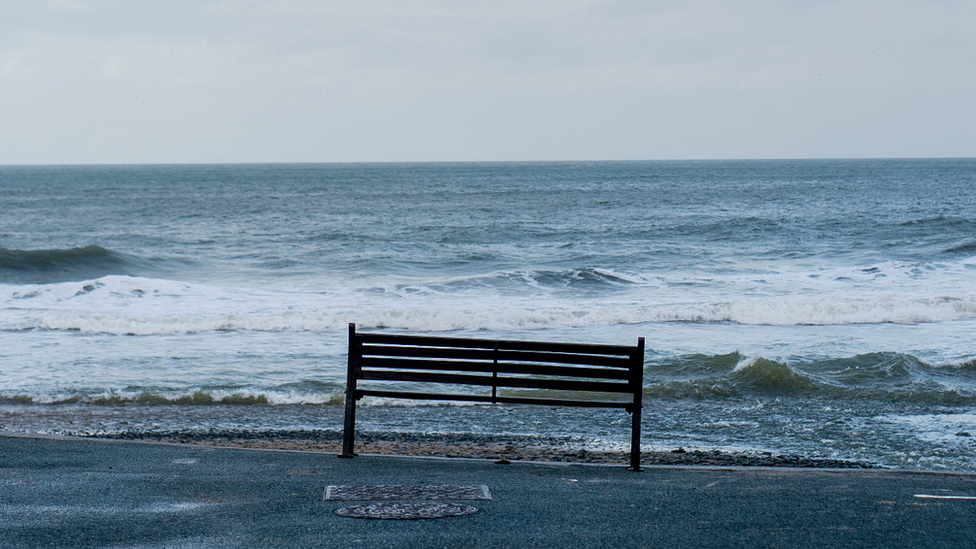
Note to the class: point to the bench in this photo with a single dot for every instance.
(530, 372)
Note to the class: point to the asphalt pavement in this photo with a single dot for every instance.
(82, 493)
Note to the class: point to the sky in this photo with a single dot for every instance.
(214, 81)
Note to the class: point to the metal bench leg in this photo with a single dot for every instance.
(635, 436)
(349, 428)
(637, 385)
(349, 424)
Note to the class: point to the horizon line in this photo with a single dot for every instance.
(350, 162)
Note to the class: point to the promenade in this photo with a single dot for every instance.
(72, 493)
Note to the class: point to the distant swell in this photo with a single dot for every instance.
(47, 266)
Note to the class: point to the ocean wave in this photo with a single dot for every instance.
(129, 305)
(412, 318)
(966, 248)
(571, 278)
(770, 375)
(940, 222)
(825, 310)
(584, 279)
(885, 377)
(334, 396)
(58, 265)
(191, 397)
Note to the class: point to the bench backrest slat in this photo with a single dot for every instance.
(490, 367)
(499, 355)
(512, 345)
(546, 401)
(554, 384)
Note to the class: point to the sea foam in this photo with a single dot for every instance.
(143, 306)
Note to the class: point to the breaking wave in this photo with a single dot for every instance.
(126, 305)
(59, 265)
(884, 377)
(872, 377)
(194, 397)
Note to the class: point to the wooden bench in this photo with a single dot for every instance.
(567, 374)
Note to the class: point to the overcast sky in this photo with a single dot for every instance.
(136, 81)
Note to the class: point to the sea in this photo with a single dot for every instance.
(821, 308)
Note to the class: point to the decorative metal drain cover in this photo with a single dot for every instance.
(406, 511)
(402, 492)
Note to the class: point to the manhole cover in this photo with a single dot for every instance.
(403, 492)
(406, 511)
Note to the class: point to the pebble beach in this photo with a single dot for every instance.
(499, 448)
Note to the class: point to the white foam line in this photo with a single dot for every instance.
(929, 496)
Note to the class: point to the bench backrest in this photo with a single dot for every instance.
(582, 374)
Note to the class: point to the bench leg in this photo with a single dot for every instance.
(635, 436)
(349, 424)
(349, 428)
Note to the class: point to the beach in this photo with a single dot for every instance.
(498, 448)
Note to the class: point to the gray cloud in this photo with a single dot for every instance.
(226, 81)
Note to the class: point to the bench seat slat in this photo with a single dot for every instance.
(613, 361)
(488, 367)
(501, 381)
(513, 345)
(498, 399)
